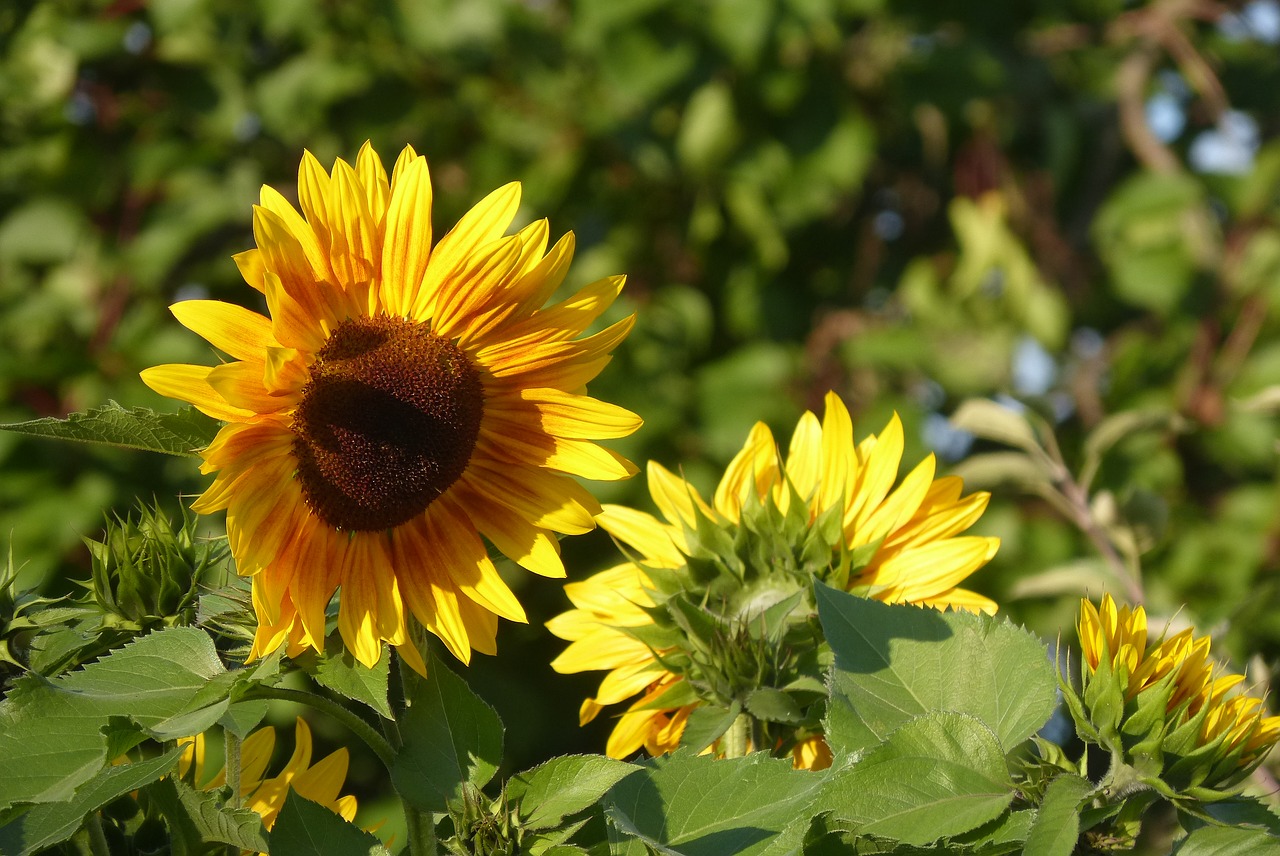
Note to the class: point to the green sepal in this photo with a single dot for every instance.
(1104, 700)
(772, 705)
(1075, 707)
(707, 724)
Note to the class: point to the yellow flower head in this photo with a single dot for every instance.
(1118, 636)
(907, 538)
(319, 783)
(400, 401)
(1183, 667)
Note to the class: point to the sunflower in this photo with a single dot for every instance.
(1202, 701)
(320, 782)
(896, 544)
(400, 402)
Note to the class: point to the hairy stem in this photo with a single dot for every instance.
(737, 739)
(354, 723)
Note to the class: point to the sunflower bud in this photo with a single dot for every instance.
(1175, 723)
(146, 572)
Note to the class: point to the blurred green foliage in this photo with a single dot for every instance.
(1073, 204)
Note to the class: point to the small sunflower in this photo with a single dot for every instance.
(836, 515)
(1203, 711)
(320, 782)
(401, 401)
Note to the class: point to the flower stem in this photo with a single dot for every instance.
(232, 743)
(352, 721)
(97, 836)
(421, 824)
(737, 739)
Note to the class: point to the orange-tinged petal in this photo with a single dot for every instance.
(406, 246)
(483, 224)
(240, 332)
(191, 384)
(354, 251)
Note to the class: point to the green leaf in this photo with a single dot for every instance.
(939, 775)
(989, 420)
(561, 787)
(48, 823)
(452, 738)
(895, 661)
(698, 806)
(183, 433)
(244, 716)
(1056, 829)
(1228, 841)
(51, 732)
(1238, 810)
(197, 818)
(305, 828)
(337, 670)
(773, 705)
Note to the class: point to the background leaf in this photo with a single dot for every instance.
(1228, 841)
(337, 670)
(197, 818)
(185, 432)
(1056, 828)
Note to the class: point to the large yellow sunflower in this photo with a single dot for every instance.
(906, 540)
(400, 401)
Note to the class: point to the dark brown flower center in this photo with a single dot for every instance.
(387, 422)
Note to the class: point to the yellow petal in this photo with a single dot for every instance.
(240, 385)
(191, 384)
(674, 496)
(251, 267)
(643, 532)
(238, 331)
(463, 554)
(322, 782)
(354, 249)
(473, 288)
(544, 499)
(357, 609)
(753, 472)
(804, 458)
(878, 473)
(406, 244)
(898, 507)
(483, 224)
(373, 178)
(530, 547)
(839, 463)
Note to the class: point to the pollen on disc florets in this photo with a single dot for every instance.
(386, 424)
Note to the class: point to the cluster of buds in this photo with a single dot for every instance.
(147, 572)
(1163, 710)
